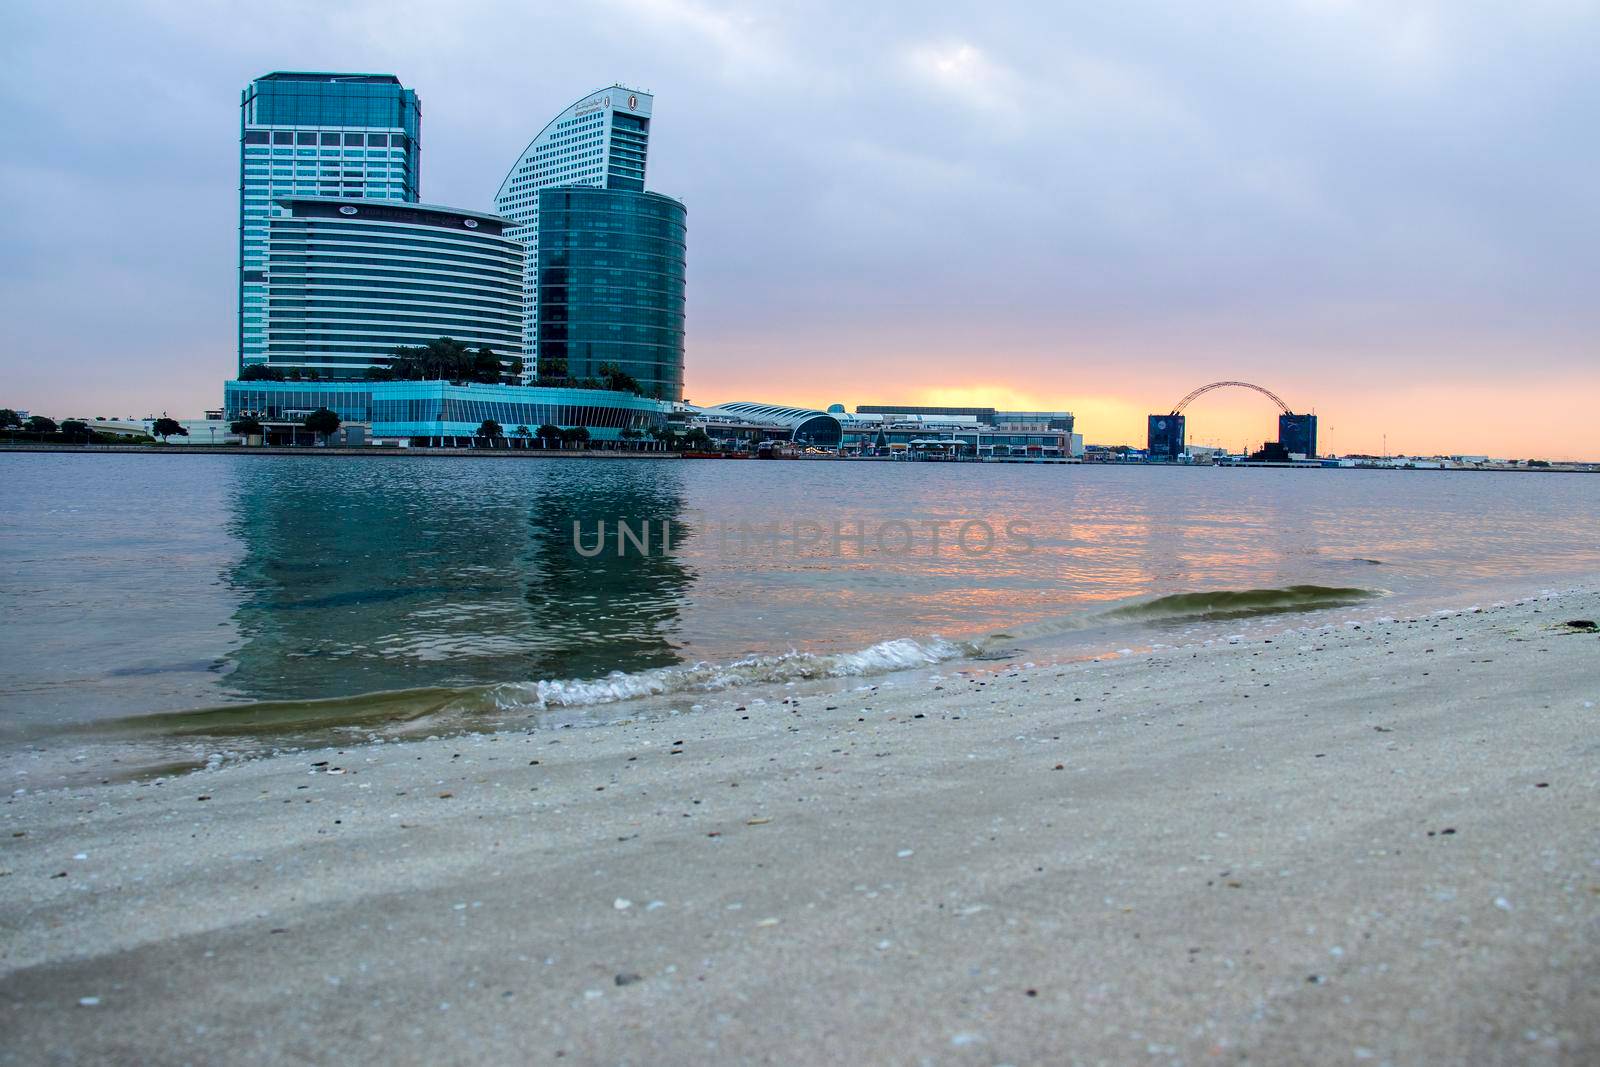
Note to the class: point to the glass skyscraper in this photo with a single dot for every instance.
(611, 286)
(315, 134)
(599, 141)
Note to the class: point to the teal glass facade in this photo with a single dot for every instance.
(611, 286)
(308, 133)
(399, 410)
(349, 281)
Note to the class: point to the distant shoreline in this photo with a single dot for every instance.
(540, 453)
(367, 450)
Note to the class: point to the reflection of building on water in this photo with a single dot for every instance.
(405, 574)
(614, 609)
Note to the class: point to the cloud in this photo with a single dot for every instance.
(966, 75)
(1089, 205)
(736, 40)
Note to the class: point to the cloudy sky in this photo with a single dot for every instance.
(1388, 211)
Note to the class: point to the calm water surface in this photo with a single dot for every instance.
(134, 584)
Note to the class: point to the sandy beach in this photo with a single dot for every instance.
(1377, 844)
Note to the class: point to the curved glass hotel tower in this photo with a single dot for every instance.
(601, 140)
(310, 133)
(611, 286)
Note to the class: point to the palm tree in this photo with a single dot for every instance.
(548, 433)
(490, 429)
(524, 433)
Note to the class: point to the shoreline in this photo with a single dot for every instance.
(311, 450)
(1562, 467)
(1235, 851)
(143, 744)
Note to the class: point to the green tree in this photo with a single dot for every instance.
(489, 429)
(516, 369)
(442, 359)
(246, 426)
(260, 372)
(618, 380)
(487, 368)
(547, 434)
(40, 424)
(697, 439)
(575, 435)
(552, 369)
(76, 430)
(165, 428)
(9, 420)
(322, 422)
(523, 433)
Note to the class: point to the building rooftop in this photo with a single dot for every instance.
(327, 76)
(388, 206)
(773, 415)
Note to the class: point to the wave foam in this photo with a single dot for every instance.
(882, 658)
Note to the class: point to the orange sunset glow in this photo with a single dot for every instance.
(1417, 413)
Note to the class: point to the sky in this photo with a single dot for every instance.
(1385, 211)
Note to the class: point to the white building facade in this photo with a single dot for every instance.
(601, 140)
(349, 281)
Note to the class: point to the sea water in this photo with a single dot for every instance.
(252, 597)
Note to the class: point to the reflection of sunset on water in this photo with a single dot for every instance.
(333, 577)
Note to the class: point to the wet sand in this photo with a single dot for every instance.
(1373, 845)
